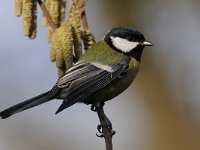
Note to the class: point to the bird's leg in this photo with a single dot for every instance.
(105, 126)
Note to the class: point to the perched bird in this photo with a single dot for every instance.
(102, 73)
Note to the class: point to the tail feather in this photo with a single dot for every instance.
(40, 99)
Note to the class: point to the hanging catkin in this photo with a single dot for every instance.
(29, 18)
(18, 8)
(61, 48)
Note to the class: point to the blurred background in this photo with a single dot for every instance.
(160, 111)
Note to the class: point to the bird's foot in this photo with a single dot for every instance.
(105, 126)
(108, 126)
(95, 106)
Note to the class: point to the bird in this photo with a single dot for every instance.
(105, 70)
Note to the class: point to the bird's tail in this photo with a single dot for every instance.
(40, 99)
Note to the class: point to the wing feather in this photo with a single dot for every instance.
(92, 82)
(76, 73)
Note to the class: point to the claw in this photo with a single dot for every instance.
(93, 108)
(113, 132)
(99, 128)
(96, 105)
(100, 135)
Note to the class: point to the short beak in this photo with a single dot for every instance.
(146, 43)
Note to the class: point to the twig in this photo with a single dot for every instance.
(106, 127)
(84, 20)
(46, 14)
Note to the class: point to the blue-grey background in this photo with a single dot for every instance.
(160, 111)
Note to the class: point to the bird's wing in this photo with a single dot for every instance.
(86, 78)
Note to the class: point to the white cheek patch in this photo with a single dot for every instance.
(123, 44)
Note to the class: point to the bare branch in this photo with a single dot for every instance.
(46, 14)
(84, 20)
(105, 128)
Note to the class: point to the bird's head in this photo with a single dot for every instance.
(127, 41)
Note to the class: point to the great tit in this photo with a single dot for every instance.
(102, 73)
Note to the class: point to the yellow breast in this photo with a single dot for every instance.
(118, 87)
